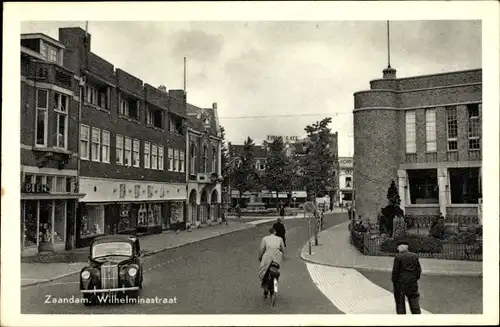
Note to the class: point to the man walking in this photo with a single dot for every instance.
(280, 230)
(405, 275)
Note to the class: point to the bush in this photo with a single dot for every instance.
(417, 244)
(464, 238)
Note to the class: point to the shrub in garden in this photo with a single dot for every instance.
(417, 244)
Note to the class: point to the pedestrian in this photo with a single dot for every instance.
(238, 211)
(280, 230)
(282, 212)
(405, 276)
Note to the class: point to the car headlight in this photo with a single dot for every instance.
(85, 274)
(132, 271)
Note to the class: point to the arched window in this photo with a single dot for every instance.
(192, 158)
(214, 160)
(205, 159)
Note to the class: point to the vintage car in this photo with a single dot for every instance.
(115, 268)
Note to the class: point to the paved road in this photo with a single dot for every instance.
(215, 276)
(442, 294)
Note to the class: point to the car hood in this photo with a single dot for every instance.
(111, 260)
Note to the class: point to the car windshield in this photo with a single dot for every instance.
(112, 248)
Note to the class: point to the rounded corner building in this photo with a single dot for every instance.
(423, 133)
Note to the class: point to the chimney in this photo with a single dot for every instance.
(162, 88)
(214, 105)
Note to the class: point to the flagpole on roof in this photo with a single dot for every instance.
(184, 74)
(388, 46)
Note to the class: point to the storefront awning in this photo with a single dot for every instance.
(51, 196)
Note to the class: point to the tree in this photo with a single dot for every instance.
(392, 209)
(319, 160)
(278, 173)
(244, 175)
(225, 164)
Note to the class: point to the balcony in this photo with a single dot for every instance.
(51, 73)
(207, 178)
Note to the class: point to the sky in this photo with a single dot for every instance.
(276, 77)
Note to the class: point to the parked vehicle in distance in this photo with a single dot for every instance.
(115, 267)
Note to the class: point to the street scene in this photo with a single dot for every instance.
(251, 167)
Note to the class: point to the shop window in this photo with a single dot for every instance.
(45, 222)
(59, 221)
(92, 221)
(465, 185)
(30, 223)
(142, 214)
(128, 215)
(423, 186)
(177, 212)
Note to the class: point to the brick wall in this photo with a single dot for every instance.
(376, 144)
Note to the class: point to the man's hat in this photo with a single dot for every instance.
(402, 242)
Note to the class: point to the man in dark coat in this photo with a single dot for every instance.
(405, 275)
(280, 230)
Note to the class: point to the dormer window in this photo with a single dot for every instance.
(176, 125)
(49, 53)
(129, 107)
(154, 116)
(97, 96)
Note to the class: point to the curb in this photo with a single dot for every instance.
(148, 254)
(376, 269)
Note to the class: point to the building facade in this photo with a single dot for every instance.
(345, 190)
(204, 169)
(423, 132)
(49, 149)
(102, 152)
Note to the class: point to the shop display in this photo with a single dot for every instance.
(92, 222)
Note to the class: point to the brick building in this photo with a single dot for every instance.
(423, 132)
(49, 151)
(204, 169)
(102, 152)
(345, 190)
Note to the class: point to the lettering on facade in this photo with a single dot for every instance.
(150, 191)
(122, 191)
(162, 191)
(35, 188)
(137, 191)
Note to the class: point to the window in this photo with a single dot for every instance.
(92, 221)
(147, 157)
(154, 156)
(136, 153)
(170, 159)
(154, 117)
(411, 143)
(430, 130)
(96, 144)
(182, 157)
(348, 182)
(106, 136)
(128, 151)
(61, 102)
(465, 185)
(205, 159)
(49, 53)
(192, 159)
(423, 186)
(84, 142)
(119, 150)
(176, 160)
(176, 125)
(452, 124)
(214, 160)
(160, 157)
(473, 111)
(129, 107)
(42, 105)
(97, 96)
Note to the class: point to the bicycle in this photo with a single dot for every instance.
(272, 283)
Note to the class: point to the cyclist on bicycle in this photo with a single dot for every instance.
(271, 250)
(280, 230)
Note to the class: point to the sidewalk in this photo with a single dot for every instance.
(335, 250)
(39, 272)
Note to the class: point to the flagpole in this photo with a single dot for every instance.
(388, 46)
(184, 74)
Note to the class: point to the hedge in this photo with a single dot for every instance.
(417, 244)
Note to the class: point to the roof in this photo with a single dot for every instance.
(44, 37)
(196, 116)
(114, 238)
